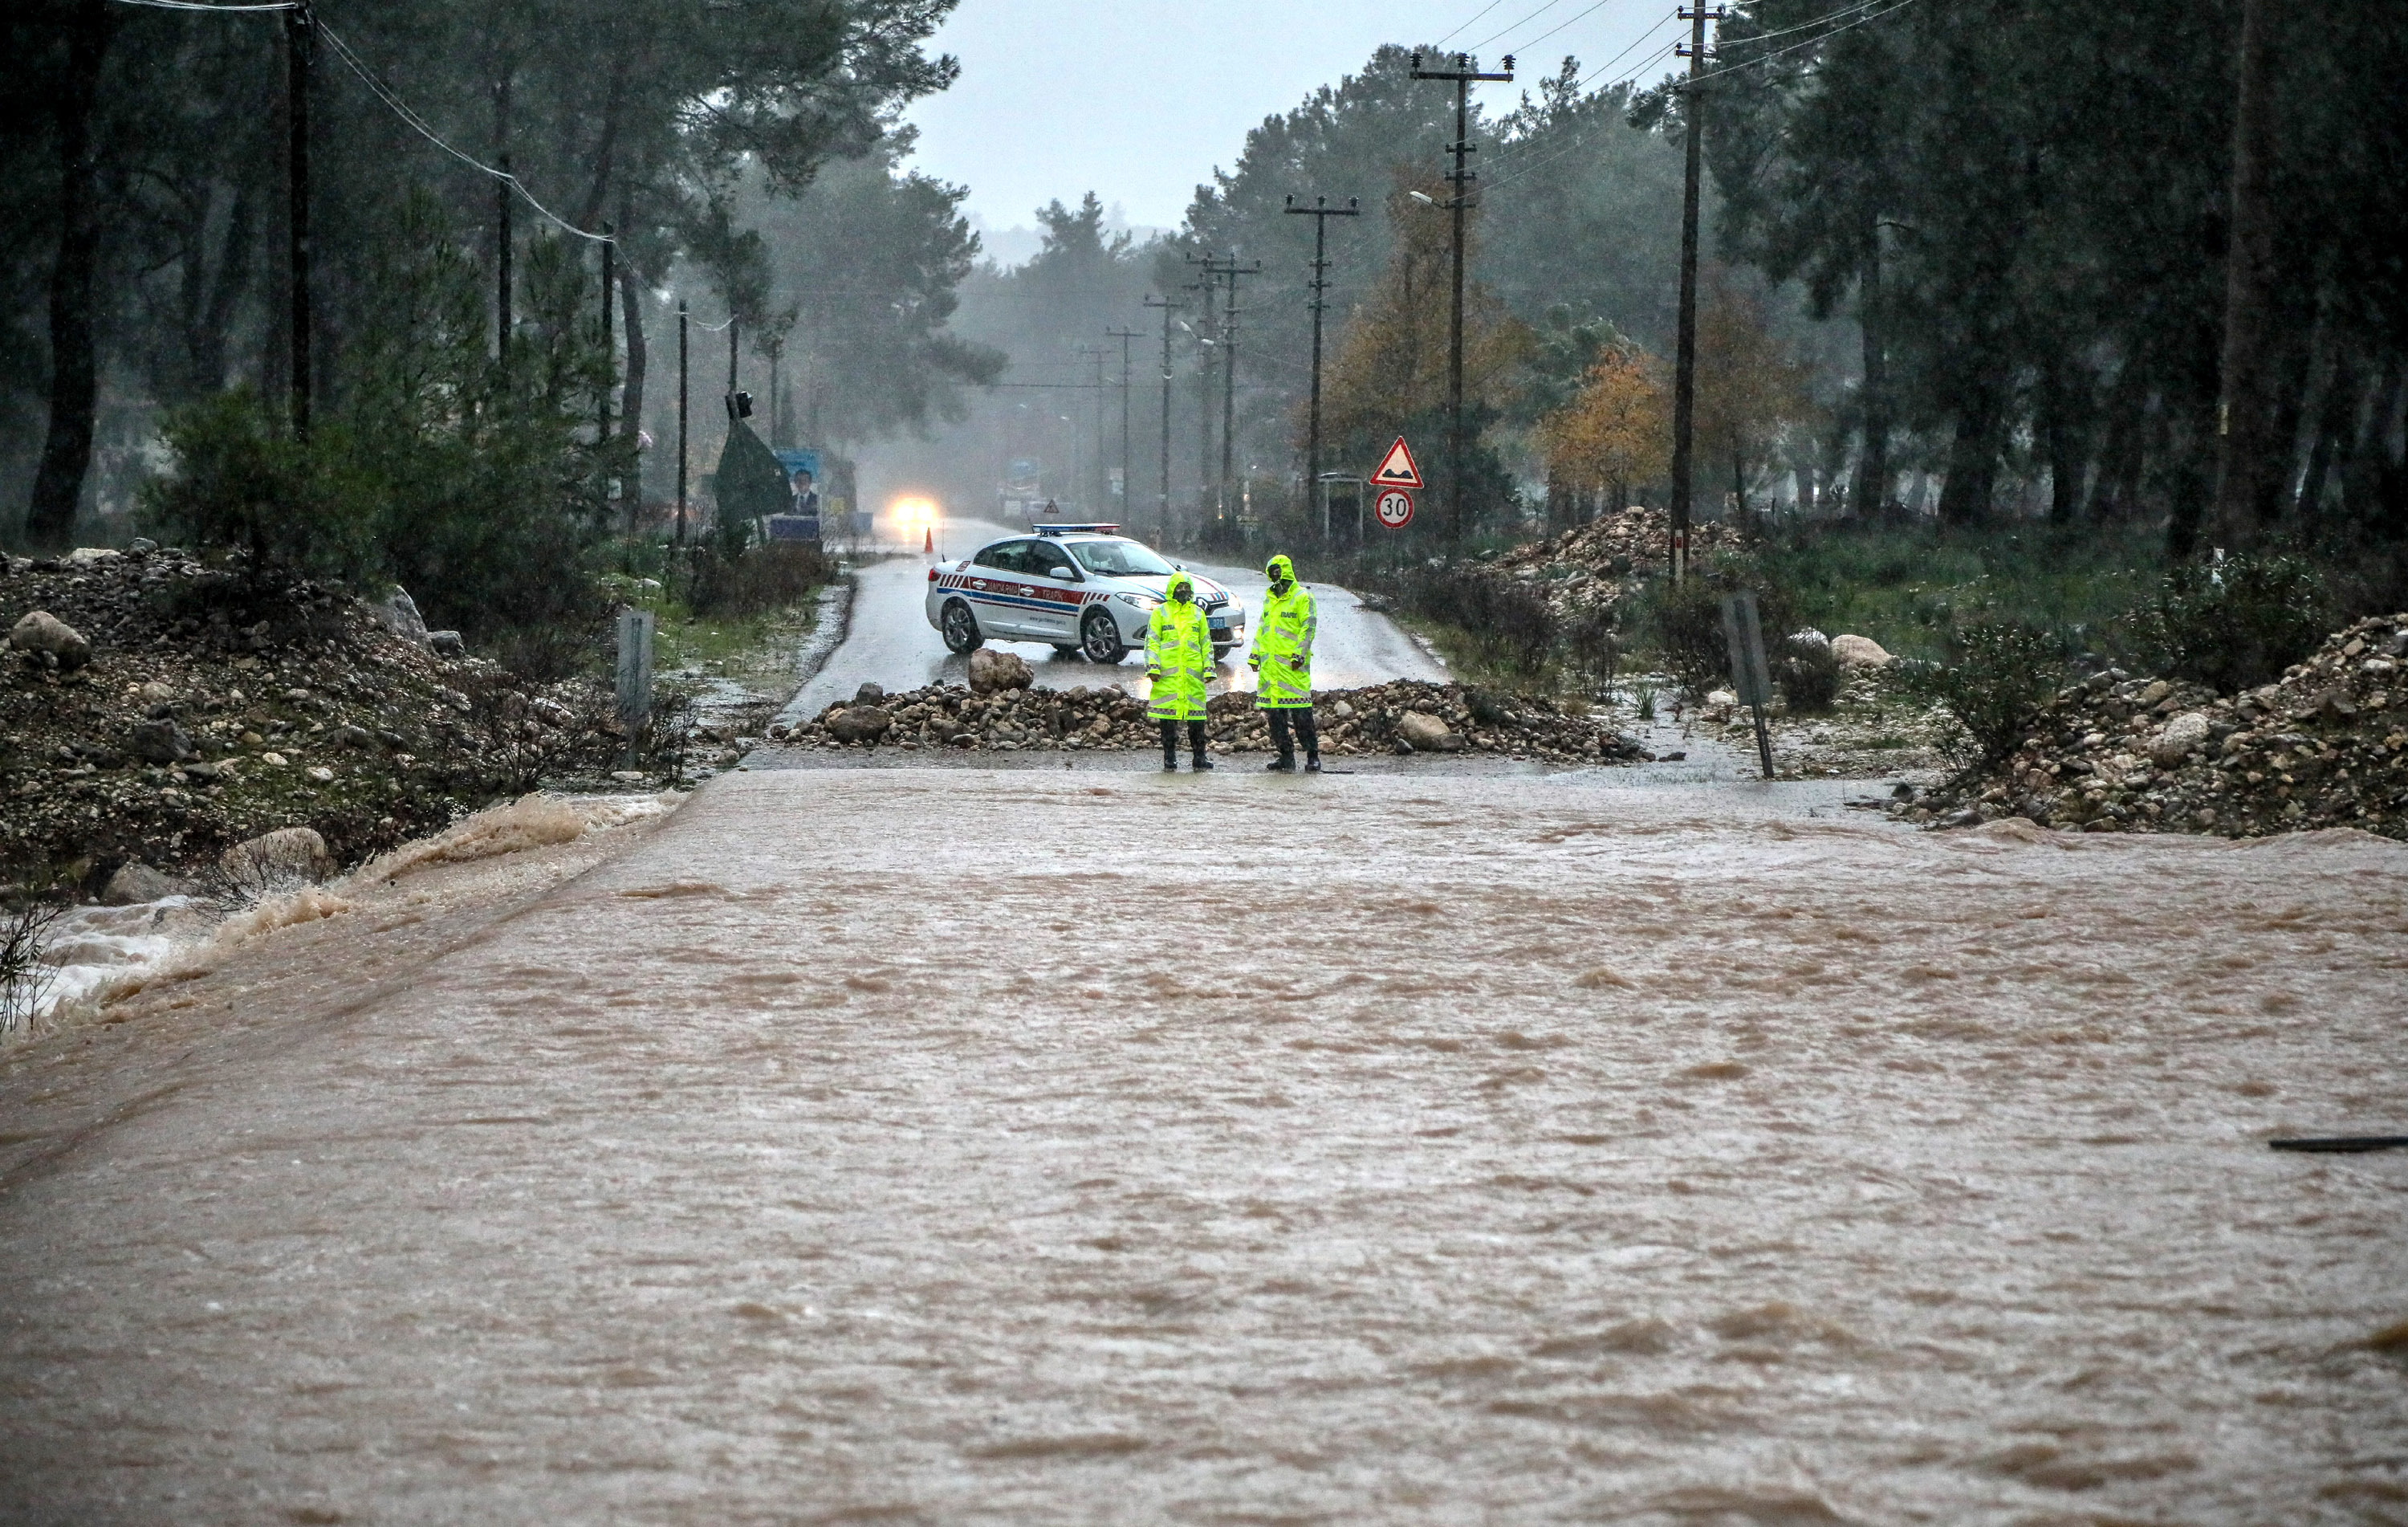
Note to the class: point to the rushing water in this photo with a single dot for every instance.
(906, 1146)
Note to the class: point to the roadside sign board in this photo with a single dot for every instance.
(1750, 680)
(1395, 509)
(1397, 468)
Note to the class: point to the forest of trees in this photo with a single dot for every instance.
(1963, 261)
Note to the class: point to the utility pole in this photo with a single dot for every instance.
(1124, 336)
(298, 43)
(681, 407)
(1684, 354)
(504, 244)
(1230, 271)
(732, 327)
(1204, 347)
(1321, 212)
(1162, 518)
(1461, 177)
(1095, 459)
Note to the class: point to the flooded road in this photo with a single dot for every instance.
(891, 643)
(1403, 1148)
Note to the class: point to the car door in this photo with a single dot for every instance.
(1054, 591)
(993, 587)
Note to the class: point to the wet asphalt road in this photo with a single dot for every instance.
(891, 642)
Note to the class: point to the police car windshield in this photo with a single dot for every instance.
(1119, 560)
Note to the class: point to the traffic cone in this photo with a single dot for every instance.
(928, 542)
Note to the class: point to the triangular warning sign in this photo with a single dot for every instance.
(1397, 468)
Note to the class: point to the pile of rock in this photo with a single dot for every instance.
(1597, 562)
(154, 710)
(1403, 716)
(2325, 745)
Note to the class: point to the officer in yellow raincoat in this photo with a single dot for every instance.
(1178, 660)
(1281, 656)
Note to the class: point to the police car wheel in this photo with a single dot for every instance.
(961, 630)
(1100, 639)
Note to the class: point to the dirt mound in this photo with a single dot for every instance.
(1597, 562)
(213, 709)
(2324, 746)
(1372, 719)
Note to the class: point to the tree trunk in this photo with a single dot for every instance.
(2250, 456)
(2342, 388)
(1872, 488)
(2119, 458)
(1972, 459)
(2059, 407)
(66, 453)
(2362, 484)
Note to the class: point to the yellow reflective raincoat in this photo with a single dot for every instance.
(1178, 656)
(1282, 647)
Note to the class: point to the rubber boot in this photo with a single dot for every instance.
(1170, 747)
(1196, 747)
(1285, 762)
(1309, 733)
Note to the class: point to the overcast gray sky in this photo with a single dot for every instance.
(1137, 100)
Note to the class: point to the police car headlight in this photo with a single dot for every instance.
(1138, 601)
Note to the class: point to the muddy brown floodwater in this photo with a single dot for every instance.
(899, 1146)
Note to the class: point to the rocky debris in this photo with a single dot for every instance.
(2325, 745)
(213, 708)
(160, 742)
(42, 635)
(1854, 652)
(135, 884)
(1380, 718)
(992, 671)
(446, 644)
(870, 694)
(859, 723)
(1596, 564)
(1425, 733)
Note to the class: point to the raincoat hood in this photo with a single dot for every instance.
(1179, 580)
(1281, 570)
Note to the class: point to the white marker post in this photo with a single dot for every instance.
(634, 678)
(1750, 679)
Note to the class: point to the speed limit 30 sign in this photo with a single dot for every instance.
(1395, 507)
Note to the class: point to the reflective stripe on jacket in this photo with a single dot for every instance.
(1283, 642)
(1179, 653)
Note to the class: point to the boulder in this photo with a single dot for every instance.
(446, 644)
(992, 671)
(1859, 651)
(43, 632)
(135, 884)
(870, 694)
(859, 724)
(160, 742)
(89, 556)
(285, 853)
(400, 612)
(2183, 734)
(1425, 733)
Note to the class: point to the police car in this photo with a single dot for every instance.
(1083, 588)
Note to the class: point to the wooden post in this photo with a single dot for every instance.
(635, 679)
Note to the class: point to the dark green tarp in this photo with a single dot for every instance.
(751, 482)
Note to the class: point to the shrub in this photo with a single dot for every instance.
(2231, 625)
(1807, 672)
(1507, 623)
(768, 577)
(25, 977)
(1592, 643)
(244, 484)
(2001, 675)
(1686, 621)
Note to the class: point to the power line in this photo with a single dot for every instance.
(402, 109)
(192, 5)
(1476, 16)
(1523, 22)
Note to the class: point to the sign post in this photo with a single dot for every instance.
(1750, 678)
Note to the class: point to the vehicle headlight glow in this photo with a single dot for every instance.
(1138, 601)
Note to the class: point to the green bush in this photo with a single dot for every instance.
(2001, 672)
(2232, 625)
(1507, 623)
(244, 484)
(768, 577)
(1685, 621)
(1807, 672)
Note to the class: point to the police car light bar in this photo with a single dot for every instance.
(1079, 529)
